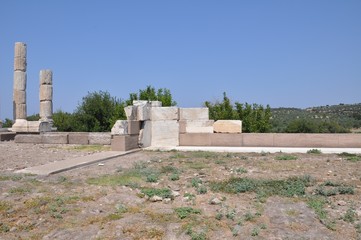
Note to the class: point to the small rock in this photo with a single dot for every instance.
(156, 198)
(167, 200)
(341, 203)
(215, 201)
(175, 194)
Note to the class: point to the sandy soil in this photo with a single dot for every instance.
(109, 200)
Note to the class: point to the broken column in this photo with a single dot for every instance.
(19, 93)
(46, 96)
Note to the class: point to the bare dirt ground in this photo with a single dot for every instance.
(180, 195)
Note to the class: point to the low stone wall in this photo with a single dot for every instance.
(271, 140)
(82, 138)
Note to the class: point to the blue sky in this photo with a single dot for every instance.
(278, 52)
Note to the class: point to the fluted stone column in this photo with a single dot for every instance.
(46, 95)
(19, 94)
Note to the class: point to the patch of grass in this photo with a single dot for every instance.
(4, 206)
(354, 158)
(350, 216)
(129, 178)
(318, 205)
(20, 190)
(152, 178)
(249, 217)
(202, 190)
(314, 151)
(10, 177)
(350, 156)
(231, 214)
(197, 165)
(195, 182)
(91, 148)
(255, 231)
(174, 177)
(263, 187)
(183, 212)
(203, 154)
(4, 228)
(178, 156)
(160, 192)
(330, 188)
(169, 169)
(286, 157)
(219, 216)
(241, 170)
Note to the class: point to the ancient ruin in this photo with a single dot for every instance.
(19, 96)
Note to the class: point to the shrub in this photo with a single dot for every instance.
(184, 212)
(286, 157)
(314, 151)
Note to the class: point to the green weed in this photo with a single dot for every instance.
(314, 151)
(183, 212)
(288, 187)
(350, 216)
(286, 157)
(174, 177)
(162, 192)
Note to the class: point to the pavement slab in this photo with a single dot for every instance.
(68, 164)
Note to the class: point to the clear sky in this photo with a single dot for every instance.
(284, 53)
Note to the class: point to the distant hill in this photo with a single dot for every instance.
(346, 115)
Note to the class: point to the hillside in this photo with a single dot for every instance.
(346, 115)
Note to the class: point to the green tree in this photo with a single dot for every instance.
(98, 112)
(64, 122)
(34, 117)
(151, 94)
(255, 118)
(8, 123)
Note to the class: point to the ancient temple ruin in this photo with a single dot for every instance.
(19, 96)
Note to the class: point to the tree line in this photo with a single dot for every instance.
(98, 111)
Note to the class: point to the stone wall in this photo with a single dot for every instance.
(271, 140)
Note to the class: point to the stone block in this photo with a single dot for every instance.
(164, 113)
(143, 113)
(124, 142)
(145, 134)
(195, 139)
(20, 111)
(228, 126)
(20, 80)
(7, 136)
(46, 77)
(19, 96)
(122, 127)
(20, 50)
(196, 126)
(156, 104)
(81, 138)
(28, 138)
(54, 138)
(38, 127)
(258, 139)
(193, 114)
(226, 139)
(99, 138)
(140, 102)
(164, 133)
(20, 64)
(46, 109)
(46, 93)
(349, 140)
(131, 112)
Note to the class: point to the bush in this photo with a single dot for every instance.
(98, 112)
(151, 94)
(255, 117)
